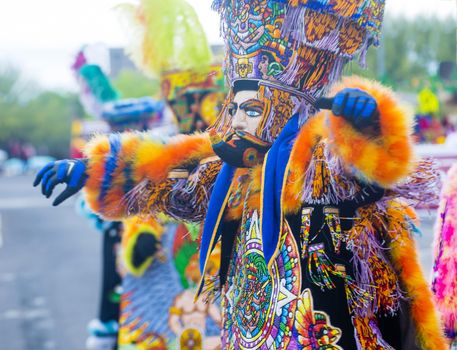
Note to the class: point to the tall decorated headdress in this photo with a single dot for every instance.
(168, 42)
(293, 50)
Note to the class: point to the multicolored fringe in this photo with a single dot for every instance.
(321, 270)
(320, 267)
(325, 180)
(182, 196)
(366, 14)
(333, 222)
(371, 268)
(357, 297)
(305, 230)
(421, 187)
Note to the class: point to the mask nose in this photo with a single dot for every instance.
(239, 122)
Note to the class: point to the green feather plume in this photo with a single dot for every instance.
(166, 35)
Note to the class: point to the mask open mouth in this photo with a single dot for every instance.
(239, 149)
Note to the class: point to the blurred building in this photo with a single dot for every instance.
(119, 61)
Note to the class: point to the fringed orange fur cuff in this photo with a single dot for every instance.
(119, 162)
(406, 262)
(384, 159)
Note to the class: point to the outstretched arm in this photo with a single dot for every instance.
(123, 173)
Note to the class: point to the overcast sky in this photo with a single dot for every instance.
(41, 36)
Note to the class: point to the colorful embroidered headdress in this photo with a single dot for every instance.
(168, 42)
(294, 49)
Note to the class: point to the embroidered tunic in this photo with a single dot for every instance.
(311, 299)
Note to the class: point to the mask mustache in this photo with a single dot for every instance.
(242, 152)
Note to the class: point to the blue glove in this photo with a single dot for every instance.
(71, 172)
(356, 106)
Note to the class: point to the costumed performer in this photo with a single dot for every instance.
(161, 258)
(102, 101)
(310, 206)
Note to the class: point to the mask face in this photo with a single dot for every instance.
(195, 97)
(246, 111)
(240, 147)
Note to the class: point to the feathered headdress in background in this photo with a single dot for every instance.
(166, 35)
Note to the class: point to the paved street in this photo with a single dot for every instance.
(49, 268)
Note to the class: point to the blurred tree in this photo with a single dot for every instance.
(43, 119)
(411, 51)
(49, 121)
(133, 84)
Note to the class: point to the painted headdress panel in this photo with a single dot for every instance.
(301, 44)
(195, 96)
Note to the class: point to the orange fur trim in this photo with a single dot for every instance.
(383, 159)
(405, 259)
(146, 158)
(309, 136)
(154, 161)
(96, 152)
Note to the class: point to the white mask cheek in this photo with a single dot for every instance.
(252, 124)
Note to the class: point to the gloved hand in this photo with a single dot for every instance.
(146, 246)
(355, 105)
(71, 172)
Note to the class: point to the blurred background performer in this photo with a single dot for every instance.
(444, 283)
(160, 254)
(103, 102)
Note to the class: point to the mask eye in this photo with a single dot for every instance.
(231, 110)
(252, 113)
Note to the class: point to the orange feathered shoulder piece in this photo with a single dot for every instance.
(386, 158)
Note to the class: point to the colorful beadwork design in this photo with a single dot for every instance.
(320, 267)
(259, 307)
(332, 219)
(314, 327)
(305, 230)
(278, 41)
